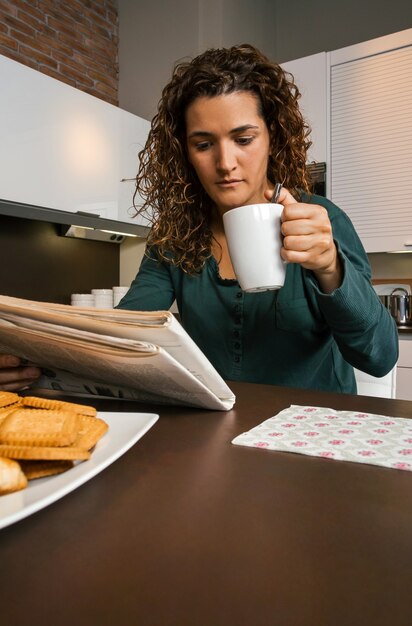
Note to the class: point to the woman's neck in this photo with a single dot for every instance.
(220, 250)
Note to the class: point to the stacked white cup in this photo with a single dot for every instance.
(82, 299)
(118, 293)
(100, 298)
(103, 298)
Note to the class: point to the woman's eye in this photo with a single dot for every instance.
(204, 145)
(243, 141)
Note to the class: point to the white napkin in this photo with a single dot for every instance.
(338, 435)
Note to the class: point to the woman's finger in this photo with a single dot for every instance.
(17, 385)
(9, 360)
(16, 377)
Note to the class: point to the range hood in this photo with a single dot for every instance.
(80, 224)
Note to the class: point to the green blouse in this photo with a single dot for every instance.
(296, 336)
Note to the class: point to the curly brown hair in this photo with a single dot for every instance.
(166, 181)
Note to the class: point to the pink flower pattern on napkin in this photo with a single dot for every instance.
(337, 435)
(404, 466)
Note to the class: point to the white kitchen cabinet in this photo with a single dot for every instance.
(64, 149)
(404, 368)
(370, 147)
(310, 74)
(132, 137)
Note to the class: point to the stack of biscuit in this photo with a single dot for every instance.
(41, 437)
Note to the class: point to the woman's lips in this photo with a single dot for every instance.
(228, 184)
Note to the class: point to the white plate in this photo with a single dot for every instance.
(124, 430)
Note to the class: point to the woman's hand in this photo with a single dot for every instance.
(13, 375)
(308, 240)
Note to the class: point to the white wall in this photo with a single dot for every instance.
(391, 265)
(306, 27)
(154, 35)
(131, 254)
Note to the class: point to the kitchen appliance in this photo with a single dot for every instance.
(317, 173)
(398, 302)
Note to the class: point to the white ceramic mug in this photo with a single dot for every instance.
(254, 241)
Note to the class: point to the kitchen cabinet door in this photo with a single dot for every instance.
(404, 368)
(133, 131)
(371, 139)
(62, 148)
(311, 78)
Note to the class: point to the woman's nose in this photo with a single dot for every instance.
(225, 159)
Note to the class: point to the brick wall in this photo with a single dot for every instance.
(75, 41)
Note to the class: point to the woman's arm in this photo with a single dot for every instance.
(362, 327)
(152, 289)
(321, 238)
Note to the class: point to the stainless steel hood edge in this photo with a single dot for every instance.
(67, 218)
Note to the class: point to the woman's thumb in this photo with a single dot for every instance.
(284, 196)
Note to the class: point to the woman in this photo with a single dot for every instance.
(228, 128)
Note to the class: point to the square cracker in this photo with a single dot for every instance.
(58, 405)
(90, 431)
(44, 453)
(34, 427)
(8, 397)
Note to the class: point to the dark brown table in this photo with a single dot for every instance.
(187, 529)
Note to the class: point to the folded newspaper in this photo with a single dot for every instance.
(134, 355)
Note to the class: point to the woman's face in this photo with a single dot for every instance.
(228, 146)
